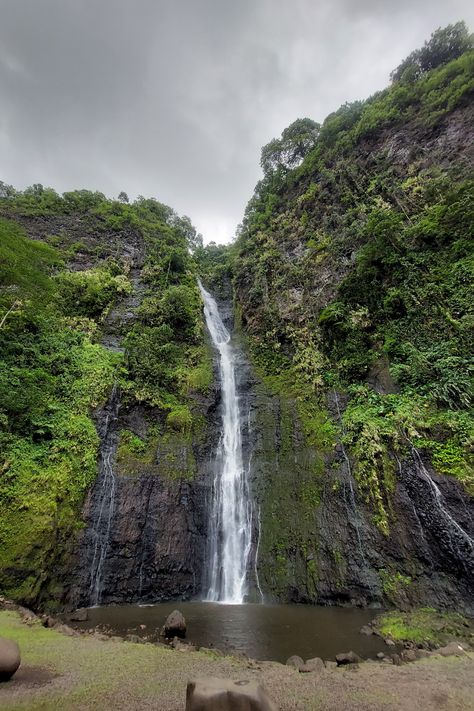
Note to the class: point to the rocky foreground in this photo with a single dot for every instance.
(72, 671)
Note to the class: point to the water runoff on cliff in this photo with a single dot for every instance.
(230, 516)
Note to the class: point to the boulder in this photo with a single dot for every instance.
(408, 655)
(80, 615)
(366, 630)
(175, 625)
(212, 694)
(65, 629)
(347, 658)
(50, 622)
(451, 649)
(313, 665)
(295, 662)
(9, 658)
(183, 646)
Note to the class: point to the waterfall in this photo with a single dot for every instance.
(353, 504)
(103, 507)
(231, 521)
(459, 539)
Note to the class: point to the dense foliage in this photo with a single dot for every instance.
(354, 271)
(57, 294)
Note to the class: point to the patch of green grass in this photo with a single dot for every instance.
(424, 626)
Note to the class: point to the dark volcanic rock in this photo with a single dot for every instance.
(175, 625)
(347, 658)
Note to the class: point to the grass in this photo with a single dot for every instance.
(425, 626)
(87, 674)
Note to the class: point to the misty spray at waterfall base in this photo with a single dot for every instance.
(230, 512)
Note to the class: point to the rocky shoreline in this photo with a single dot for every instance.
(450, 641)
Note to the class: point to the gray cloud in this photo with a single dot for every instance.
(174, 98)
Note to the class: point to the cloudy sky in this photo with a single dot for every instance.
(174, 98)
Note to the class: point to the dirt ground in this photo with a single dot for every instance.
(85, 673)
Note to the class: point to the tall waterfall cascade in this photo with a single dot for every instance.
(231, 519)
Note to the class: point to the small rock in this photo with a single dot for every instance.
(331, 665)
(380, 655)
(408, 655)
(143, 627)
(133, 638)
(390, 642)
(182, 646)
(80, 615)
(396, 659)
(175, 625)
(65, 629)
(9, 658)
(422, 653)
(366, 630)
(212, 694)
(315, 664)
(451, 649)
(347, 658)
(295, 662)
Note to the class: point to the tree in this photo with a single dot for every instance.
(185, 226)
(290, 150)
(122, 197)
(444, 45)
(6, 191)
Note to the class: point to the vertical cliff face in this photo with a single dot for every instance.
(318, 539)
(120, 413)
(350, 277)
(146, 515)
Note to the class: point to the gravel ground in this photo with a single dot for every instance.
(85, 673)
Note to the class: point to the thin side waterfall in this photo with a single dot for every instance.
(231, 521)
(353, 504)
(461, 536)
(104, 508)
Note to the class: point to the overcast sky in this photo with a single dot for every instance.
(174, 98)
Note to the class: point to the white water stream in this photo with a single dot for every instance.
(231, 521)
(106, 502)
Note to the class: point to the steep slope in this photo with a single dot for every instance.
(353, 281)
(102, 357)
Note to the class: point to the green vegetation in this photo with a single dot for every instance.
(354, 271)
(394, 585)
(424, 626)
(54, 372)
(50, 378)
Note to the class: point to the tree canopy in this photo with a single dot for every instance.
(289, 151)
(445, 44)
